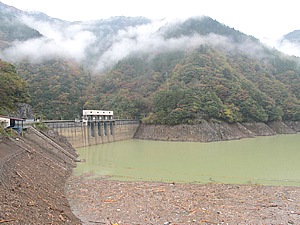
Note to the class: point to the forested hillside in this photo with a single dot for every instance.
(13, 89)
(205, 83)
(58, 88)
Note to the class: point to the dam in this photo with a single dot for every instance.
(80, 134)
(96, 127)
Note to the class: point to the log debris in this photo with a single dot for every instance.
(164, 203)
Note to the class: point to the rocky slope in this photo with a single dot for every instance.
(215, 131)
(33, 172)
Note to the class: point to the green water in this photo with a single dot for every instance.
(271, 160)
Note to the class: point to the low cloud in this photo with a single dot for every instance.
(289, 48)
(147, 39)
(58, 41)
(78, 41)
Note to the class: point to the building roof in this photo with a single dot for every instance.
(93, 112)
(12, 118)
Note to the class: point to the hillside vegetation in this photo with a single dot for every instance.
(13, 88)
(58, 87)
(185, 87)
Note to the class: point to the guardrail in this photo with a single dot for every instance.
(78, 123)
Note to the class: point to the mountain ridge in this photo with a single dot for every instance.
(293, 36)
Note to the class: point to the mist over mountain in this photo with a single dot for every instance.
(171, 71)
(290, 43)
(293, 36)
(100, 44)
(11, 28)
(49, 38)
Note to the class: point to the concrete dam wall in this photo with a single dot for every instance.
(94, 133)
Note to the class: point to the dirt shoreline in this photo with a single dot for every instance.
(103, 201)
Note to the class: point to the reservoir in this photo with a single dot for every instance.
(272, 160)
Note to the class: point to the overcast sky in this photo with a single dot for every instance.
(260, 18)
